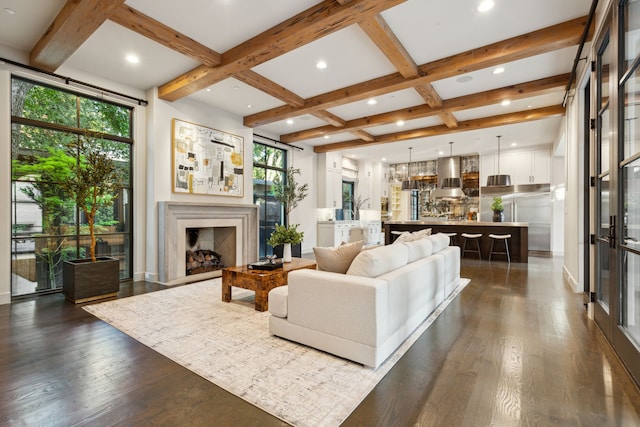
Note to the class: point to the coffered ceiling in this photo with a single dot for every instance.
(426, 63)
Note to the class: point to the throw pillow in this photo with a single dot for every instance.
(410, 237)
(337, 259)
(379, 261)
(419, 249)
(439, 242)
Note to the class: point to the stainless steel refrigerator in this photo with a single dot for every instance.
(523, 203)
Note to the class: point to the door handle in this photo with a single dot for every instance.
(612, 231)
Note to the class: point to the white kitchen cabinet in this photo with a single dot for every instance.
(524, 167)
(333, 233)
(330, 181)
(529, 167)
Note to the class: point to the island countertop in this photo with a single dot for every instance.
(518, 243)
(465, 223)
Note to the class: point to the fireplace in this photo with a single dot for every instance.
(234, 231)
(209, 249)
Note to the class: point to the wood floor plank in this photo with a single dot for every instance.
(514, 349)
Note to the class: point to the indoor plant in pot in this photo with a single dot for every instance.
(286, 236)
(289, 193)
(498, 209)
(92, 185)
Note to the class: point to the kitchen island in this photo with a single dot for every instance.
(519, 231)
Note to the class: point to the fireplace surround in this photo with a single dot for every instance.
(174, 218)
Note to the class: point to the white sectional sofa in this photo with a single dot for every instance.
(365, 314)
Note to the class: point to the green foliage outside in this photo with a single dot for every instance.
(283, 234)
(48, 164)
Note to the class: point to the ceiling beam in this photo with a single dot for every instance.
(269, 87)
(146, 26)
(332, 119)
(74, 24)
(476, 124)
(513, 92)
(364, 135)
(316, 22)
(379, 32)
(541, 41)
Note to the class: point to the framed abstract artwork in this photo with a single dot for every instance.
(206, 161)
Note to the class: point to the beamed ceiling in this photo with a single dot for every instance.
(426, 63)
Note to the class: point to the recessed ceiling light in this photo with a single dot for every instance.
(249, 106)
(236, 87)
(372, 101)
(290, 122)
(464, 79)
(400, 123)
(384, 159)
(321, 65)
(505, 103)
(353, 156)
(498, 70)
(529, 106)
(208, 89)
(326, 137)
(132, 59)
(440, 153)
(486, 5)
(514, 144)
(9, 11)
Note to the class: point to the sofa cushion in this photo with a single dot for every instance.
(278, 301)
(337, 259)
(418, 249)
(439, 242)
(410, 237)
(377, 261)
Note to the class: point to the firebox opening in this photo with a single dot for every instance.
(209, 249)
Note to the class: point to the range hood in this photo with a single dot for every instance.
(449, 182)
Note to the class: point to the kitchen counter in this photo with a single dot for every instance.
(519, 231)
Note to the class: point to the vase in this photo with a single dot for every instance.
(286, 253)
(498, 216)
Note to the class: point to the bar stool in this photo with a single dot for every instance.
(450, 236)
(474, 238)
(505, 238)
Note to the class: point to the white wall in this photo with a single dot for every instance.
(305, 213)
(5, 186)
(158, 182)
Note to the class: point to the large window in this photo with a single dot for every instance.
(47, 227)
(268, 162)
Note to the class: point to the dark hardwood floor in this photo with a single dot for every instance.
(514, 349)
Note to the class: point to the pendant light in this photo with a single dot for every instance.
(409, 184)
(498, 180)
(452, 181)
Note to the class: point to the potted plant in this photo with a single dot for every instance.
(286, 236)
(92, 185)
(289, 193)
(498, 209)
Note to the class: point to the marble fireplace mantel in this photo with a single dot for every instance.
(175, 217)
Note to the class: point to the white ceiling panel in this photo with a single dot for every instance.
(383, 103)
(22, 29)
(297, 70)
(515, 106)
(429, 30)
(303, 122)
(236, 97)
(104, 53)
(524, 70)
(220, 24)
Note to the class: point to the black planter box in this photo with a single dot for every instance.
(84, 280)
(296, 250)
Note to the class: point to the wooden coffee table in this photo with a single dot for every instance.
(260, 281)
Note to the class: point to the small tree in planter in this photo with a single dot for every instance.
(92, 184)
(289, 193)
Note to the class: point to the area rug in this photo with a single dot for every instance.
(229, 344)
